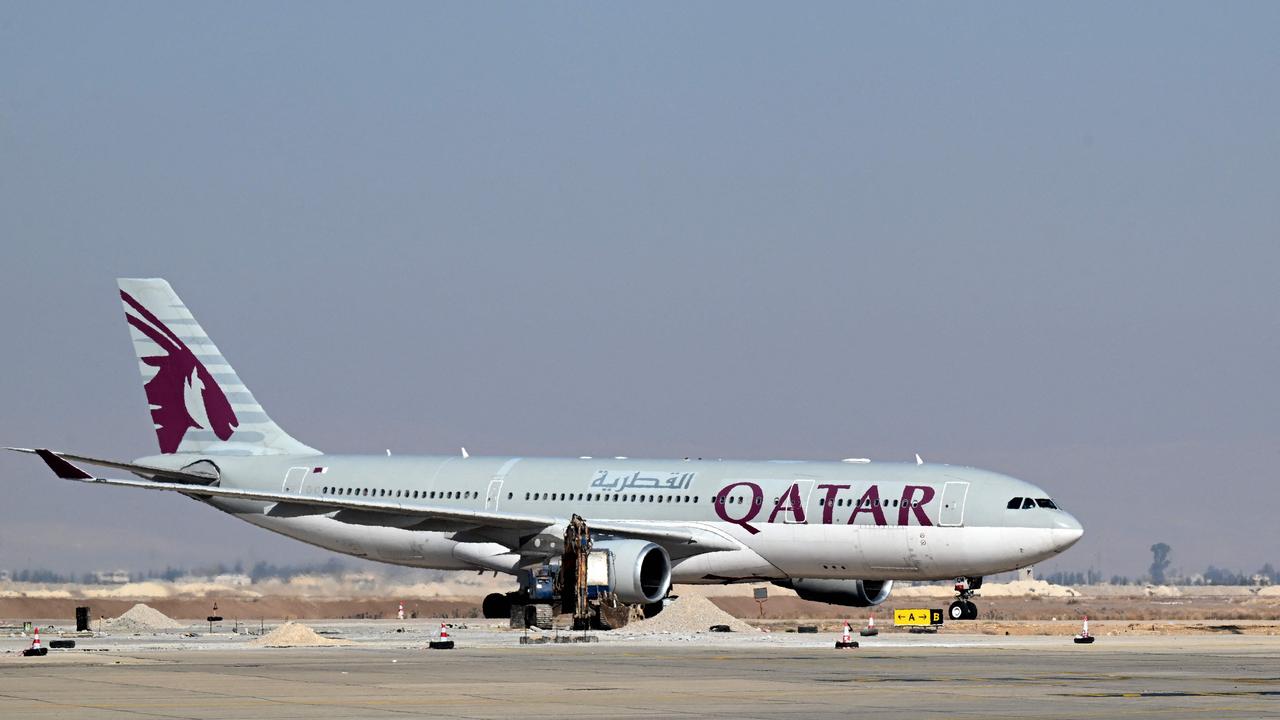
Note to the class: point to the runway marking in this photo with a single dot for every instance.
(1174, 693)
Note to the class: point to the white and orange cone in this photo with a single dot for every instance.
(1084, 638)
(400, 612)
(36, 648)
(846, 638)
(870, 630)
(443, 642)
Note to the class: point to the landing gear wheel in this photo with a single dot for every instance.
(496, 605)
(970, 611)
(958, 611)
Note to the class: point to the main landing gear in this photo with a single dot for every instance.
(963, 608)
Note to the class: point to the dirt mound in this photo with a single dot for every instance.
(292, 634)
(686, 615)
(1027, 587)
(142, 618)
(1161, 591)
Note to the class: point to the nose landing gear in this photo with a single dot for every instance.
(963, 608)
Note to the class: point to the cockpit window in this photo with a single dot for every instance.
(1046, 503)
(1028, 503)
(1015, 503)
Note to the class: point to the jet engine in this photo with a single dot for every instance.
(854, 593)
(639, 571)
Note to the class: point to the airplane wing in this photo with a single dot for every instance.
(678, 539)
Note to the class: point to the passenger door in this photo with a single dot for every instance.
(294, 480)
(491, 495)
(953, 497)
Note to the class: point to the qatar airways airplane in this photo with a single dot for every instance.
(837, 531)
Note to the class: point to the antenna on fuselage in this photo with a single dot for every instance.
(919, 460)
(465, 454)
(388, 452)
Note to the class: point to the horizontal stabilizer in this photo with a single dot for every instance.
(61, 463)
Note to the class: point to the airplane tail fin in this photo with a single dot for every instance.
(198, 402)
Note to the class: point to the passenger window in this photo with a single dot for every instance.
(1028, 503)
(1015, 503)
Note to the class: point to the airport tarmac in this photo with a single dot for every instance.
(490, 675)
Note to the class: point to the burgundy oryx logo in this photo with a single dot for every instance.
(182, 394)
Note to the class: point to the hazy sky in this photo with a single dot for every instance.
(1038, 238)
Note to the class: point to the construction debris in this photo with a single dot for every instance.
(687, 615)
(292, 634)
(142, 618)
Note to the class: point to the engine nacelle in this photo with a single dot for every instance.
(639, 571)
(853, 593)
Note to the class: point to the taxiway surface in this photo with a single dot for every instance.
(795, 677)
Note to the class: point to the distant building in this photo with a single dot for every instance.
(233, 579)
(111, 577)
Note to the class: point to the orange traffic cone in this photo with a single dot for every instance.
(400, 612)
(846, 640)
(1084, 638)
(443, 642)
(870, 630)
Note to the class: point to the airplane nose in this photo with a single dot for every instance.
(1066, 531)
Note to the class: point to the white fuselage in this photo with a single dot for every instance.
(810, 520)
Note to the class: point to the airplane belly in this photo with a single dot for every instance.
(723, 566)
(391, 545)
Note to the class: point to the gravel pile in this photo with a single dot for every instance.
(142, 618)
(292, 634)
(687, 615)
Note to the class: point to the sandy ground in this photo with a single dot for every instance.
(1003, 607)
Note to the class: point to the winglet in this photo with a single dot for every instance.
(61, 467)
